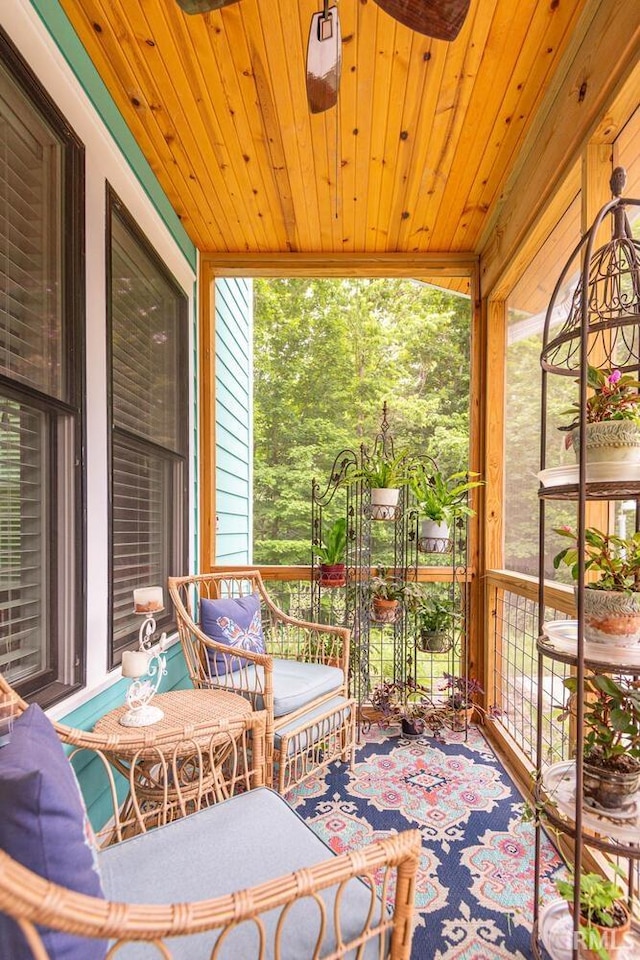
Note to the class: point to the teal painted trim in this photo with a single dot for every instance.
(57, 23)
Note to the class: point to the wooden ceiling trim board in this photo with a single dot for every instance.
(381, 104)
(178, 97)
(510, 31)
(366, 38)
(522, 99)
(424, 266)
(539, 233)
(104, 48)
(601, 55)
(406, 84)
(432, 181)
(414, 116)
(452, 112)
(286, 129)
(229, 51)
(620, 110)
(347, 114)
(408, 236)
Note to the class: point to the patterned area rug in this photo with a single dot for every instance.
(475, 881)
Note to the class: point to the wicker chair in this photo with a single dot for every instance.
(310, 717)
(245, 877)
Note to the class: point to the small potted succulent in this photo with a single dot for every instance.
(612, 425)
(386, 592)
(384, 473)
(611, 603)
(460, 705)
(439, 501)
(611, 752)
(604, 917)
(330, 553)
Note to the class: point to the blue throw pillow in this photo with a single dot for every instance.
(236, 622)
(44, 825)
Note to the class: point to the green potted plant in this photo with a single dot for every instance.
(612, 425)
(386, 592)
(435, 620)
(459, 704)
(604, 917)
(404, 701)
(611, 603)
(439, 501)
(330, 553)
(611, 752)
(384, 473)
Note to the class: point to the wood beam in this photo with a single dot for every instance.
(596, 79)
(420, 266)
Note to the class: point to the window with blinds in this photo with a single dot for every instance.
(40, 289)
(148, 334)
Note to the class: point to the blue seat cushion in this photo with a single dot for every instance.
(250, 839)
(313, 732)
(44, 826)
(295, 684)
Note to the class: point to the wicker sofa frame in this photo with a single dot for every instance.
(302, 741)
(387, 868)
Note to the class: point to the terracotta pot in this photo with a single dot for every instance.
(332, 575)
(612, 938)
(384, 611)
(610, 441)
(460, 719)
(612, 617)
(434, 537)
(384, 503)
(609, 788)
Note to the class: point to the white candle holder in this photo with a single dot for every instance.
(143, 663)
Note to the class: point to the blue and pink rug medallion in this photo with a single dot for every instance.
(475, 881)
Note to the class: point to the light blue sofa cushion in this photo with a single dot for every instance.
(295, 684)
(313, 732)
(251, 839)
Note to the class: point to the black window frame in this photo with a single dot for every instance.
(47, 687)
(180, 482)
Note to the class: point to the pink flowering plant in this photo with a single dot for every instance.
(616, 559)
(615, 397)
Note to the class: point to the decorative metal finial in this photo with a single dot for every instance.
(618, 181)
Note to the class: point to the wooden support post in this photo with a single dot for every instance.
(207, 423)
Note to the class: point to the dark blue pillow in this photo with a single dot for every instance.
(236, 622)
(44, 825)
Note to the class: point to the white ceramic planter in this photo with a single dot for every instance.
(612, 441)
(612, 617)
(384, 503)
(434, 537)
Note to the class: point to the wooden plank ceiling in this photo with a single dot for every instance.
(412, 160)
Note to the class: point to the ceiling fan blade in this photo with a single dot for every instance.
(441, 19)
(324, 60)
(203, 6)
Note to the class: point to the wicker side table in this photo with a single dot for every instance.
(191, 758)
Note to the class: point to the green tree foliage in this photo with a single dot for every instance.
(327, 354)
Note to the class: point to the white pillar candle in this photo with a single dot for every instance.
(134, 663)
(148, 600)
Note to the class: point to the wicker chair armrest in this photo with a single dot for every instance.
(31, 900)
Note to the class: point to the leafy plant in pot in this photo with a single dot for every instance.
(435, 620)
(400, 700)
(612, 426)
(386, 592)
(331, 553)
(611, 752)
(604, 917)
(439, 501)
(384, 474)
(460, 704)
(611, 603)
